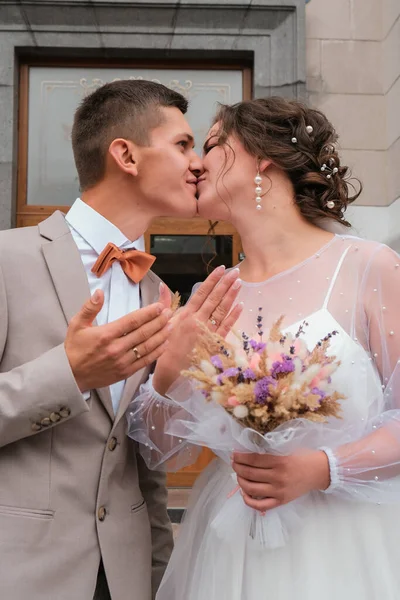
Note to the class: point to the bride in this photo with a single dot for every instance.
(272, 169)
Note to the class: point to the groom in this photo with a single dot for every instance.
(81, 517)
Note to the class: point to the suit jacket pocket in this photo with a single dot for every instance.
(35, 513)
(22, 529)
(137, 507)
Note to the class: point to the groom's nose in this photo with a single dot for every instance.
(196, 165)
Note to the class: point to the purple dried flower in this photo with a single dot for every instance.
(249, 374)
(328, 336)
(231, 372)
(245, 342)
(217, 362)
(224, 351)
(261, 389)
(285, 366)
(257, 346)
(301, 329)
(317, 392)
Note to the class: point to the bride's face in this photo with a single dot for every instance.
(227, 185)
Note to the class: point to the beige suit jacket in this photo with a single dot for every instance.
(72, 486)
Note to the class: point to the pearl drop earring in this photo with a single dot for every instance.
(258, 190)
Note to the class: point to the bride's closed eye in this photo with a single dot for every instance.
(209, 144)
(207, 147)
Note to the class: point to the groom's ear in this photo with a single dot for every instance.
(123, 152)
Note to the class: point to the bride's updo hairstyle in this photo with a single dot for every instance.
(300, 141)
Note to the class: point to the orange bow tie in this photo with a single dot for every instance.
(134, 263)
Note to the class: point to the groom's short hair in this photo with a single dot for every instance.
(127, 109)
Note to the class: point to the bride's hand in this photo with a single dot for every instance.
(211, 304)
(268, 481)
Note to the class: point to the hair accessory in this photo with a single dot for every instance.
(309, 129)
(329, 148)
(258, 190)
(294, 140)
(330, 204)
(326, 169)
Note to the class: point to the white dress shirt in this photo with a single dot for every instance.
(91, 233)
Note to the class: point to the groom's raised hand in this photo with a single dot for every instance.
(100, 356)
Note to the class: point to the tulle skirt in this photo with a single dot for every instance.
(341, 550)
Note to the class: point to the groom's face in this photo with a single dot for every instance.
(168, 168)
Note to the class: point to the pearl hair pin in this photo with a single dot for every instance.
(326, 169)
(309, 129)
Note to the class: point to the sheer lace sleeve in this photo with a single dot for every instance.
(369, 469)
(148, 416)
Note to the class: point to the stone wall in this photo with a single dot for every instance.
(353, 75)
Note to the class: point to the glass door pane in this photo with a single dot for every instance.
(184, 260)
(55, 92)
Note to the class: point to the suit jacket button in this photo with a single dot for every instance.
(54, 417)
(45, 422)
(64, 412)
(101, 513)
(36, 427)
(112, 444)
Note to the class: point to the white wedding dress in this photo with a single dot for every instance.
(344, 544)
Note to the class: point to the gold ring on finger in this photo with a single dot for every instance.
(213, 321)
(136, 353)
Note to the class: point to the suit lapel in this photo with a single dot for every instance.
(68, 274)
(65, 266)
(149, 293)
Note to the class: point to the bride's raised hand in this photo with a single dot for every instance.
(212, 301)
(210, 304)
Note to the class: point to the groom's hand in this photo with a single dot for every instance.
(100, 356)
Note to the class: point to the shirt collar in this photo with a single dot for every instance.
(96, 230)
